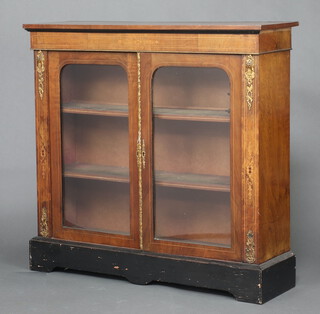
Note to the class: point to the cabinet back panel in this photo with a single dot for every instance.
(96, 205)
(192, 147)
(95, 140)
(191, 87)
(192, 216)
(103, 84)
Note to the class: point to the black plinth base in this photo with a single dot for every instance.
(246, 282)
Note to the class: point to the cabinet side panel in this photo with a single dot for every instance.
(274, 211)
(275, 40)
(43, 144)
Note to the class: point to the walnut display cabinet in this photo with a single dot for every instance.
(163, 153)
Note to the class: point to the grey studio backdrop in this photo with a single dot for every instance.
(23, 291)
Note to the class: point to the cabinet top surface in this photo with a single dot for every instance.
(159, 26)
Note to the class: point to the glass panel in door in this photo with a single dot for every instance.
(95, 148)
(191, 130)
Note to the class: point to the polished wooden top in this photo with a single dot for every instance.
(160, 26)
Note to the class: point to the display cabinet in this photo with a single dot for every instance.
(163, 153)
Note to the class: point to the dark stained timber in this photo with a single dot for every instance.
(246, 282)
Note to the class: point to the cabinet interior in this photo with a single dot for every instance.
(191, 152)
(192, 216)
(95, 148)
(96, 205)
(94, 84)
(191, 155)
(191, 88)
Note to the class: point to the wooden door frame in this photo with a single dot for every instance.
(56, 61)
(232, 65)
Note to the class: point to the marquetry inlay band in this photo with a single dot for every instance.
(249, 172)
(43, 150)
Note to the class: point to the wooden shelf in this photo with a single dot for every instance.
(162, 178)
(118, 110)
(97, 172)
(193, 181)
(214, 239)
(161, 113)
(192, 114)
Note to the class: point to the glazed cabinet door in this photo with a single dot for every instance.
(193, 158)
(92, 121)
